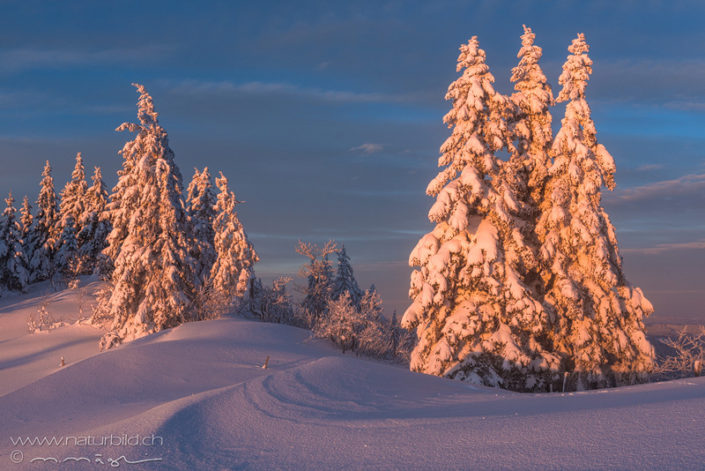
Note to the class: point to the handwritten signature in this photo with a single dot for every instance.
(17, 457)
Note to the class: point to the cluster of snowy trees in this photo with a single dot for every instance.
(520, 284)
(336, 308)
(333, 306)
(65, 236)
(167, 258)
(171, 258)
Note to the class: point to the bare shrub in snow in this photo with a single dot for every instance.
(687, 358)
(362, 329)
(271, 304)
(342, 325)
(42, 321)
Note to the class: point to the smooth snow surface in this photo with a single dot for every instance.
(201, 389)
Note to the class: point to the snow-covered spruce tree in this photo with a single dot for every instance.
(65, 259)
(124, 198)
(200, 203)
(151, 286)
(345, 280)
(234, 254)
(600, 317)
(13, 262)
(526, 171)
(531, 126)
(45, 231)
(73, 196)
(26, 220)
(71, 212)
(527, 168)
(474, 316)
(319, 279)
(95, 226)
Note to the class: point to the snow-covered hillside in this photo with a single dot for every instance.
(198, 395)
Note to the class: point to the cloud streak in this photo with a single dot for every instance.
(367, 148)
(17, 60)
(661, 248)
(687, 185)
(226, 87)
(680, 83)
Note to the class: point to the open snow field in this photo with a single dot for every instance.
(196, 398)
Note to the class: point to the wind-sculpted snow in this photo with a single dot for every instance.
(201, 391)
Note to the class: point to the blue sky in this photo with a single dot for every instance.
(326, 116)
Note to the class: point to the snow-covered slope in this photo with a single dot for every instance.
(25, 358)
(200, 397)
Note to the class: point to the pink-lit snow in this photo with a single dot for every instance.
(201, 389)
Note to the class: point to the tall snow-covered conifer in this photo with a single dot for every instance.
(73, 196)
(95, 225)
(526, 170)
(13, 263)
(200, 202)
(72, 210)
(345, 280)
(532, 126)
(151, 286)
(474, 316)
(45, 231)
(600, 317)
(235, 255)
(65, 259)
(124, 198)
(26, 220)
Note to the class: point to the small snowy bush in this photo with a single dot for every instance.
(686, 359)
(271, 304)
(42, 322)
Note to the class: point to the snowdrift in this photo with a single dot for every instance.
(196, 397)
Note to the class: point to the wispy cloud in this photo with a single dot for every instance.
(23, 99)
(376, 266)
(661, 248)
(678, 84)
(15, 60)
(686, 105)
(692, 184)
(682, 81)
(367, 148)
(197, 87)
